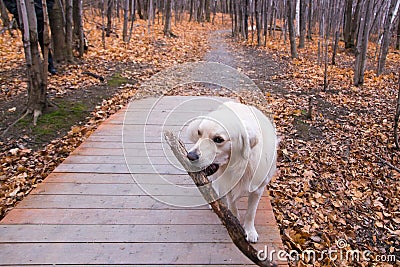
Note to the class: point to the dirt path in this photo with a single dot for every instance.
(258, 65)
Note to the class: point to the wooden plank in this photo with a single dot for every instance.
(96, 151)
(121, 253)
(119, 168)
(130, 145)
(120, 216)
(115, 190)
(199, 233)
(172, 118)
(118, 139)
(128, 131)
(117, 201)
(83, 159)
(112, 178)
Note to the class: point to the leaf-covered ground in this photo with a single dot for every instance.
(334, 180)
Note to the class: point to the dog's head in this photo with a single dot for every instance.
(220, 138)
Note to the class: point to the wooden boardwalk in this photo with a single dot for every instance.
(121, 199)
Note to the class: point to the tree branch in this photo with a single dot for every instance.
(388, 163)
(231, 223)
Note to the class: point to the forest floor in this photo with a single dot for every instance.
(335, 190)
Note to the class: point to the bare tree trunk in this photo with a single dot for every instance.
(191, 10)
(167, 24)
(103, 35)
(133, 8)
(272, 19)
(57, 25)
(200, 11)
(258, 22)
(4, 18)
(251, 10)
(140, 9)
(398, 32)
(337, 23)
(78, 27)
(37, 73)
(355, 25)
(207, 10)
(45, 52)
(347, 24)
(126, 20)
(362, 45)
(310, 19)
(214, 11)
(302, 36)
(68, 31)
(292, 37)
(245, 18)
(110, 6)
(266, 4)
(386, 38)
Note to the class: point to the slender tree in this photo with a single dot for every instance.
(258, 21)
(398, 32)
(362, 43)
(348, 42)
(110, 8)
(310, 20)
(303, 20)
(36, 67)
(79, 36)
(4, 18)
(386, 38)
(290, 22)
(355, 25)
(68, 31)
(167, 23)
(126, 21)
(58, 25)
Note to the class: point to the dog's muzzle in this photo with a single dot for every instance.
(193, 156)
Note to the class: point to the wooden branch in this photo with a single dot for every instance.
(231, 223)
(387, 163)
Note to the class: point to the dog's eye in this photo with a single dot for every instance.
(218, 139)
(198, 132)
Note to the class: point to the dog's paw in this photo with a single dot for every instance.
(252, 236)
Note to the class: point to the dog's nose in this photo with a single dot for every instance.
(192, 156)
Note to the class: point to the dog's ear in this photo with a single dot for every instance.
(248, 141)
(253, 140)
(191, 131)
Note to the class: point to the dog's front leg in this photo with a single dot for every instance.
(254, 199)
(232, 205)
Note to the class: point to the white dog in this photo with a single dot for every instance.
(236, 144)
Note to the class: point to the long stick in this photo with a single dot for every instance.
(231, 223)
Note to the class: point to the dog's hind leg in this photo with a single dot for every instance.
(248, 225)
